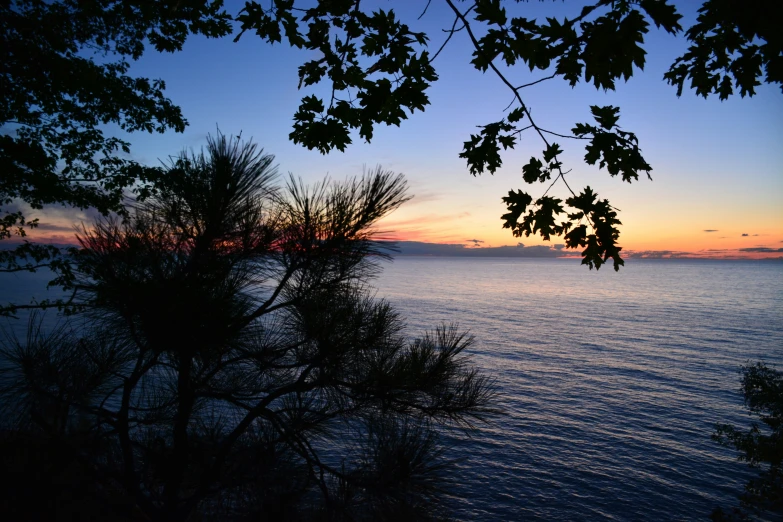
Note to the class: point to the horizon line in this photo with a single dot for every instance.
(520, 250)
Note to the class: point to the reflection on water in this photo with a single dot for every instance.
(610, 382)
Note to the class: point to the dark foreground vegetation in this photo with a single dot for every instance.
(761, 445)
(226, 361)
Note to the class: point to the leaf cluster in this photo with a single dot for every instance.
(614, 149)
(482, 151)
(371, 60)
(601, 48)
(598, 246)
(733, 46)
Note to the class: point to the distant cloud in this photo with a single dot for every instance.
(58, 224)
(657, 254)
(765, 250)
(476, 242)
(48, 227)
(710, 253)
(710, 230)
(744, 235)
(416, 248)
(54, 213)
(57, 240)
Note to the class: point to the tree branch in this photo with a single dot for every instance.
(500, 75)
(537, 81)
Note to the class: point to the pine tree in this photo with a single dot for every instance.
(231, 361)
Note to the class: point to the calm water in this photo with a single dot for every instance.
(610, 383)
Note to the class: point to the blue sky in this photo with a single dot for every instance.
(717, 165)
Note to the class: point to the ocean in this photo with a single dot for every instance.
(610, 384)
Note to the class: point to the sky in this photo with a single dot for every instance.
(717, 187)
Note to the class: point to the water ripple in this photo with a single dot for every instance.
(610, 383)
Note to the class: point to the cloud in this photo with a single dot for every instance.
(476, 242)
(744, 235)
(765, 250)
(50, 227)
(53, 213)
(657, 254)
(423, 220)
(416, 248)
(710, 230)
(57, 240)
(423, 197)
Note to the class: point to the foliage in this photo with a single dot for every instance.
(761, 446)
(64, 82)
(232, 363)
(379, 71)
(731, 42)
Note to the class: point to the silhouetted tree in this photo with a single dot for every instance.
(63, 79)
(761, 446)
(229, 360)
